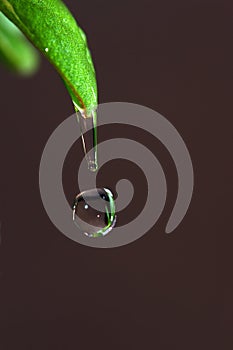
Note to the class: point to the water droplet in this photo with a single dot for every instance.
(94, 212)
(88, 127)
(46, 49)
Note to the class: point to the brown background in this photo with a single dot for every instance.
(160, 292)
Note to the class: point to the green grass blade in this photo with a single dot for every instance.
(16, 53)
(52, 29)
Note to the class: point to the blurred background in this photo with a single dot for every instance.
(162, 291)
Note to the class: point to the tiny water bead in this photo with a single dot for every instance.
(94, 212)
(88, 127)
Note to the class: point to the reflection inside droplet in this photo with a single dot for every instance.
(94, 212)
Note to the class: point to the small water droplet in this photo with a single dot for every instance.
(94, 221)
(46, 49)
(89, 140)
(92, 166)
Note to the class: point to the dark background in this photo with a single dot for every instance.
(162, 291)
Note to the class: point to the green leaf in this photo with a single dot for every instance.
(15, 50)
(52, 29)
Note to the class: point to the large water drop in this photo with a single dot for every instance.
(94, 212)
